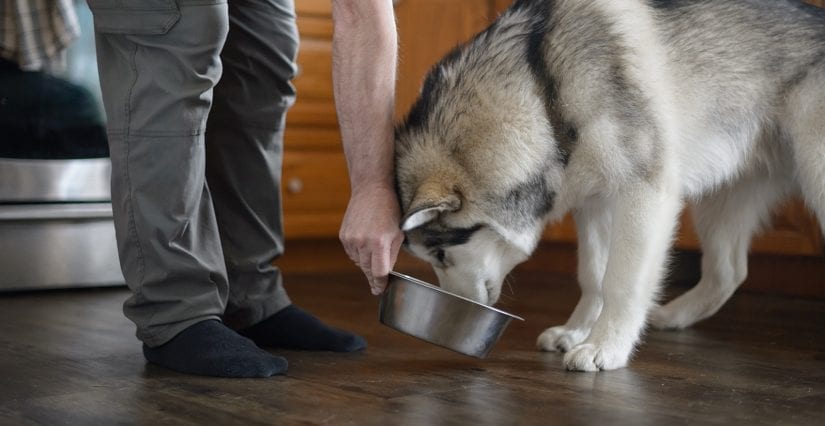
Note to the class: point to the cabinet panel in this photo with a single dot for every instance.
(321, 8)
(312, 181)
(315, 192)
(315, 27)
(312, 138)
(315, 187)
(314, 79)
(312, 113)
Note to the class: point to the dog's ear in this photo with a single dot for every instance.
(430, 200)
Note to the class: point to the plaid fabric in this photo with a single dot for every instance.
(35, 33)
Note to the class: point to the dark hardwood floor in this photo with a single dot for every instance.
(70, 357)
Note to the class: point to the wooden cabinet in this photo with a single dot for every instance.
(315, 183)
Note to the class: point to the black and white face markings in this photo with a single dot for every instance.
(436, 239)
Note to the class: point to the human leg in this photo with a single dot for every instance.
(244, 144)
(158, 65)
(244, 151)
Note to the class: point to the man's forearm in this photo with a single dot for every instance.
(364, 63)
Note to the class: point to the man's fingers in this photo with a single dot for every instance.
(375, 256)
(380, 268)
(365, 262)
(380, 284)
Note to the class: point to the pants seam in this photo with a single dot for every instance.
(127, 145)
(162, 135)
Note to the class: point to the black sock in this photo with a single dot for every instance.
(209, 348)
(293, 328)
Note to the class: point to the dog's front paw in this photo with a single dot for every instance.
(561, 338)
(592, 357)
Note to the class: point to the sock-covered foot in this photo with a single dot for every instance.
(294, 328)
(209, 348)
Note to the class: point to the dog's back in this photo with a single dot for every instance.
(736, 66)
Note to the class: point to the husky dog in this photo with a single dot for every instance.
(619, 111)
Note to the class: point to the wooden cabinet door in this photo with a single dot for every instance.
(314, 183)
(428, 30)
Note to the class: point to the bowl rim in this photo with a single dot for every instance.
(439, 289)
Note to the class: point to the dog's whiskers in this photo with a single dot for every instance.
(508, 285)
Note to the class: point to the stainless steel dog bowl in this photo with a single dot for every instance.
(427, 312)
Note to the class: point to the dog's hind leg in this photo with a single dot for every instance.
(806, 126)
(725, 223)
(593, 230)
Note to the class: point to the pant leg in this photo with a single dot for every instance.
(244, 142)
(159, 62)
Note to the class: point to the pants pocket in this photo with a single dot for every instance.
(145, 17)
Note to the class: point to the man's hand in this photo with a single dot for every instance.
(364, 46)
(371, 233)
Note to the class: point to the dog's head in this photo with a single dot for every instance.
(470, 252)
(471, 169)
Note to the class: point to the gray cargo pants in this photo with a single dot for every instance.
(196, 93)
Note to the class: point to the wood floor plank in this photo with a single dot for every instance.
(70, 357)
